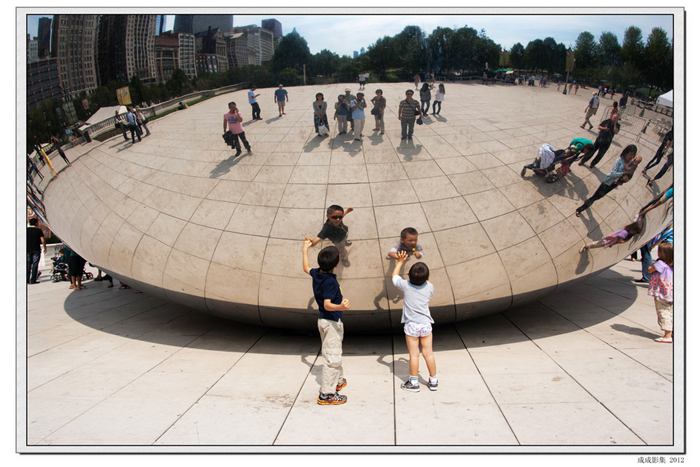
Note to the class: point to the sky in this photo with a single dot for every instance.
(343, 34)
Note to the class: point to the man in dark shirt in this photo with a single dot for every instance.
(607, 130)
(331, 306)
(35, 244)
(335, 230)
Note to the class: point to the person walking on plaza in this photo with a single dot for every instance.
(591, 110)
(439, 98)
(607, 130)
(358, 116)
(281, 98)
(233, 125)
(408, 110)
(666, 145)
(120, 124)
(416, 80)
(341, 114)
(661, 288)
(133, 125)
(320, 118)
(610, 181)
(142, 120)
(57, 146)
(253, 101)
(350, 102)
(415, 316)
(379, 102)
(36, 243)
(425, 99)
(331, 306)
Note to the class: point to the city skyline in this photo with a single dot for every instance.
(505, 30)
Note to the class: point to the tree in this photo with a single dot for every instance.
(43, 122)
(609, 50)
(382, 55)
(632, 51)
(585, 51)
(412, 50)
(324, 63)
(178, 84)
(440, 47)
(292, 52)
(517, 56)
(536, 55)
(659, 59)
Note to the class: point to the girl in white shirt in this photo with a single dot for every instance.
(439, 97)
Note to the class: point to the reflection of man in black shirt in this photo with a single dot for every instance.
(607, 130)
(35, 243)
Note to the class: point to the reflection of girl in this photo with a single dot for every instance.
(439, 97)
(320, 117)
(621, 236)
(425, 99)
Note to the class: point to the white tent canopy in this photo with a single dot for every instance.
(666, 99)
(103, 113)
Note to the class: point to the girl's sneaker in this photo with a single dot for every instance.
(331, 399)
(410, 386)
(432, 385)
(341, 384)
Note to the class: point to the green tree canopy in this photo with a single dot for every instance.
(292, 52)
(585, 51)
(609, 50)
(517, 56)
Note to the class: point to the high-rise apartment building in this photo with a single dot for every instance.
(255, 46)
(42, 81)
(126, 48)
(32, 50)
(175, 51)
(44, 37)
(187, 55)
(213, 42)
(271, 24)
(74, 41)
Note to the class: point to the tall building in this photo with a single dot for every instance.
(271, 24)
(212, 42)
(194, 24)
(32, 50)
(160, 24)
(44, 37)
(183, 23)
(187, 55)
(74, 38)
(42, 81)
(255, 46)
(126, 48)
(355, 54)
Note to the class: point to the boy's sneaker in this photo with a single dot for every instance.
(432, 385)
(410, 386)
(332, 399)
(341, 384)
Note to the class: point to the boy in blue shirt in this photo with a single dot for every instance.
(281, 98)
(331, 306)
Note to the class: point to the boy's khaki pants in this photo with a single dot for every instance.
(332, 352)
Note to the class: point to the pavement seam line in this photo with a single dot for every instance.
(488, 388)
(184, 412)
(575, 380)
(296, 397)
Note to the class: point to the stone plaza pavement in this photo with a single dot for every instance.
(120, 367)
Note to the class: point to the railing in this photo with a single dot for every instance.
(103, 126)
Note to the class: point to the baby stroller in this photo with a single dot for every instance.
(59, 269)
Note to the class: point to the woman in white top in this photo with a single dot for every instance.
(439, 97)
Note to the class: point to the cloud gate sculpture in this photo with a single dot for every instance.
(177, 217)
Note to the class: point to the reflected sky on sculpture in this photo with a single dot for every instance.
(176, 216)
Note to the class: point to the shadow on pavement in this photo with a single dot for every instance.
(126, 312)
